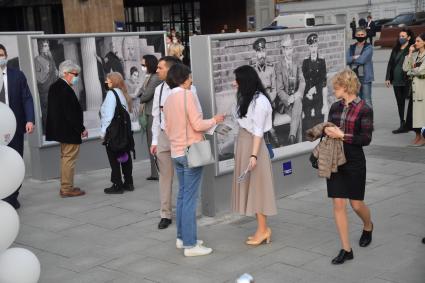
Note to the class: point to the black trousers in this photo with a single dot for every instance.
(401, 94)
(116, 167)
(17, 144)
(371, 40)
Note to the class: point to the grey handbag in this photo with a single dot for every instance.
(197, 154)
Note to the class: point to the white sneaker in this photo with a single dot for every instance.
(197, 250)
(179, 243)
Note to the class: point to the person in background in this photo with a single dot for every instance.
(370, 29)
(397, 77)
(359, 59)
(176, 49)
(146, 94)
(415, 68)
(253, 186)
(354, 125)
(114, 81)
(353, 27)
(65, 124)
(184, 127)
(15, 93)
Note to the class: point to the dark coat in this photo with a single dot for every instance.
(64, 114)
(392, 63)
(21, 103)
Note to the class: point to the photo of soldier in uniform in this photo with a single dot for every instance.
(315, 102)
(97, 56)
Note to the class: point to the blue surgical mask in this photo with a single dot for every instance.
(74, 80)
(3, 62)
(402, 40)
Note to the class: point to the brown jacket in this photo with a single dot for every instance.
(329, 152)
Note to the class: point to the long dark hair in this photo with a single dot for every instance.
(410, 33)
(151, 63)
(249, 83)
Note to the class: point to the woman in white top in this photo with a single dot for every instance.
(116, 82)
(253, 187)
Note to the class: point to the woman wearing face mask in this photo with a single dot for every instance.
(359, 59)
(149, 66)
(397, 77)
(415, 67)
(115, 83)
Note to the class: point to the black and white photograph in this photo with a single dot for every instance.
(97, 56)
(295, 69)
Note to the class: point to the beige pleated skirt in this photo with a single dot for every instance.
(256, 193)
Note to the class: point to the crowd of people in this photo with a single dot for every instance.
(174, 122)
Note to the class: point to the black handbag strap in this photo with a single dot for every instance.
(159, 103)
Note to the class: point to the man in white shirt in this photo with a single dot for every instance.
(160, 144)
(15, 93)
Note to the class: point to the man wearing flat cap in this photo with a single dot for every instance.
(315, 103)
(290, 89)
(267, 74)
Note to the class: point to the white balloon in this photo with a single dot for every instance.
(7, 124)
(9, 223)
(19, 265)
(12, 171)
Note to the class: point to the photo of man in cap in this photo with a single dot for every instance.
(315, 103)
(290, 89)
(267, 74)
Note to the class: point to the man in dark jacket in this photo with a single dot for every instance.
(65, 124)
(15, 93)
(371, 29)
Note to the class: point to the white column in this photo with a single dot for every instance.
(90, 73)
(70, 49)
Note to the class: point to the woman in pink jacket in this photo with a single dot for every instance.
(184, 129)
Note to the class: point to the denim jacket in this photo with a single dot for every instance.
(365, 59)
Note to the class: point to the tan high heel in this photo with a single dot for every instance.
(265, 239)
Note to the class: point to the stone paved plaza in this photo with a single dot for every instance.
(102, 238)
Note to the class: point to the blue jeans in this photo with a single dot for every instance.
(366, 93)
(187, 198)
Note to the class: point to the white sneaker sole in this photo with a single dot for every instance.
(189, 254)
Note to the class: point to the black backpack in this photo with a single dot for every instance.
(119, 136)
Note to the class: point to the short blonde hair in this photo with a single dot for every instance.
(175, 50)
(347, 80)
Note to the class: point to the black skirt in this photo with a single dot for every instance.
(350, 180)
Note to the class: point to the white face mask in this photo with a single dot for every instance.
(144, 69)
(3, 62)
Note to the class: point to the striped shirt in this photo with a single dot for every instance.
(355, 120)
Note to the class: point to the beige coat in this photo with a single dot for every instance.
(418, 88)
(329, 152)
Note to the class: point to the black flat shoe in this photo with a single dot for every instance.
(423, 241)
(152, 178)
(114, 189)
(366, 238)
(343, 256)
(164, 223)
(128, 187)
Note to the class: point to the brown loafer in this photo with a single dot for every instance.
(73, 193)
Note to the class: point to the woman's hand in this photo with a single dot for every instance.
(388, 83)
(334, 132)
(252, 163)
(412, 49)
(219, 118)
